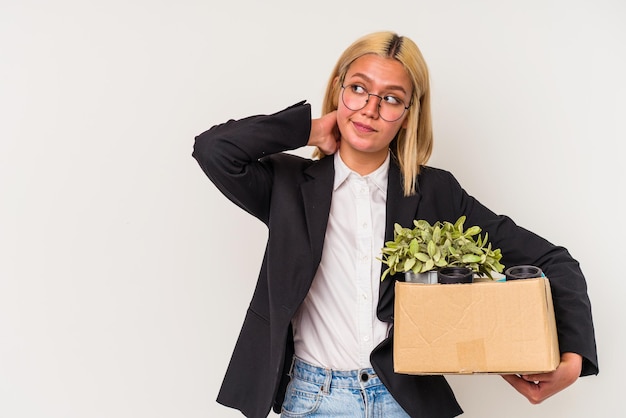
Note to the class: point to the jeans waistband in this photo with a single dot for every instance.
(329, 378)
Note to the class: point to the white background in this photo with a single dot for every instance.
(125, 275)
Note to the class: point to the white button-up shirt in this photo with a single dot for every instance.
(336, 327)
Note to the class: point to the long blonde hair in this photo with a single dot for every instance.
(413, 145)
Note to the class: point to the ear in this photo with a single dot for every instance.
(336, 92)
(405, 122)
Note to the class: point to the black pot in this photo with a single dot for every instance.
(523, 272)
(451, 275)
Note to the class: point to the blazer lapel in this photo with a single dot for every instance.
(317, 195)
(401, 210)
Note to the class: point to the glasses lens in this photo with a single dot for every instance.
(391, 112)
(355, 97)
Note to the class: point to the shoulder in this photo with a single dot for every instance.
(431, 178)
(440, 188)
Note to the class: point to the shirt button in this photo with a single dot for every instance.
(366, 338)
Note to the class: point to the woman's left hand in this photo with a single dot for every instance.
(539, 387)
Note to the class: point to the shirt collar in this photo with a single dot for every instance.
(378, 177)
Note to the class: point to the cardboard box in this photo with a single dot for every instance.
(484, 327)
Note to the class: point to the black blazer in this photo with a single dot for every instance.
(292, 195)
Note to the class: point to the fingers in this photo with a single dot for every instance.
(330, 123)
(534, 392)
(325, 133)
(536, 378)
(540, 386)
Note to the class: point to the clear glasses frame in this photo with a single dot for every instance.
(381, 102)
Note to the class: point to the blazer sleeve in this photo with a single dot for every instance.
(522, 247)
(234, 154)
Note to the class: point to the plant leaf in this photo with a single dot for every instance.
(470, 258)
(432, 248)
(428, 266)
(409, 263)
(458, 225)
(414, 246)
(474, 230)
(437, 234)
(422, 257)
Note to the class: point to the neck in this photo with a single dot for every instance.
(361, 162)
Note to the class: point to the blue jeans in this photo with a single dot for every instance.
(315, 392)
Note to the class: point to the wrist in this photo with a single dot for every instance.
(315, 133)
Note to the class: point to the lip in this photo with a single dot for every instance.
(362, 127)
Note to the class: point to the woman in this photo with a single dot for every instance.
(317, 338)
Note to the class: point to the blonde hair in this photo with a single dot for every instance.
(413, 145)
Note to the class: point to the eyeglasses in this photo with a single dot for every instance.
(390, 108)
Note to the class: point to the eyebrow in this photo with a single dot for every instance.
(389, 87)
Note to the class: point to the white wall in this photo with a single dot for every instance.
(124, 275)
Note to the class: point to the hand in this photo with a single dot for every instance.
(539, 387)
(325, 134)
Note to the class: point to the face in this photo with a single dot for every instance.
(364, 134)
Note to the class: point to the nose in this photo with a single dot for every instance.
(372, 107)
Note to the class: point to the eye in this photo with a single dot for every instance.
(356, 89)
(392, 100)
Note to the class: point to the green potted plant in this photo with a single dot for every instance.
(431, 248)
